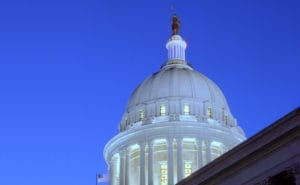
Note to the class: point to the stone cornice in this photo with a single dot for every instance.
(176, 129)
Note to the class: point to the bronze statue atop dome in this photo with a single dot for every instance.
(175, 25)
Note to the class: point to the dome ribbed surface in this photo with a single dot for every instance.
(177, 81)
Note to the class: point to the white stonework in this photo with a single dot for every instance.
(175, 122)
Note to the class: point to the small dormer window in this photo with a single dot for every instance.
(209, 112)
(186, 109)
(141, 115)
(162, 110)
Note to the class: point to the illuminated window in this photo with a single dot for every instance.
(162, 110)
(163, 174)
(209, 113)
(141, 115)
(187, 109)
(187, 169)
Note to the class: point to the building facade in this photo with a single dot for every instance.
(175, 122)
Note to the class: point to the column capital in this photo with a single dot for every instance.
(207, 141)
(142, 144)
(150, 143)
(199, 141)
(122, 151)
(170, 139)
(180, 138)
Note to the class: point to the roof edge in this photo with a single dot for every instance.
(245, 149)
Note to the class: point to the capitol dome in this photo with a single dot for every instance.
(176, 121)
(178, 83)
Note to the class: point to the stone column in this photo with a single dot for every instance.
(208, 152)
(142, 164)
(170, 162)
(122, 167)
(179, 159)
(127, 167)
(150, 163)
(111, 173)
(199, 147)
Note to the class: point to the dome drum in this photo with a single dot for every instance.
(191, 143)
(174, 111)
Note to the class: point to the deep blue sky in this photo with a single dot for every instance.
(67, 69)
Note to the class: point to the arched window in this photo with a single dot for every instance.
(217, 149)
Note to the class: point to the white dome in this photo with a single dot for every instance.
(177, 81)
(175, 85)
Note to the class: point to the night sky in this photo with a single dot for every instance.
(67, 69)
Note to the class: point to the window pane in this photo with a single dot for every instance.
(186, 109)
(141, 115)
(209, 113)
(162, 110)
